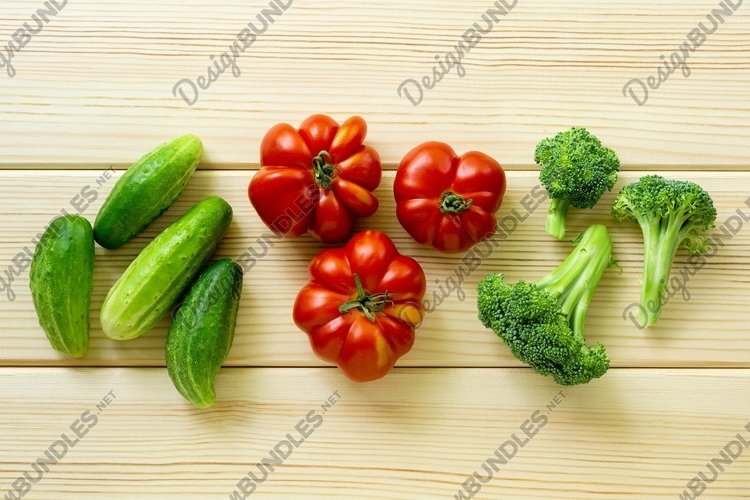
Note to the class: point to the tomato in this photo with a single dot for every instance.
(362, 305)
(317, 179)
(447, 201)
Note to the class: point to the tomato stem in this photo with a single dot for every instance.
(323, 170)
(367, 304)
(453, 203)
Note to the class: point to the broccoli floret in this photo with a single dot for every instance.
(672, 214)
(576, 170)
(543, 322)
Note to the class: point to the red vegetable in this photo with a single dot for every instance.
(319, 178)
(361, 305)
(447, 201)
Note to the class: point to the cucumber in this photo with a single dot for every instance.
(146, 190)
(61, 280)
(153, 282)
(201, 334)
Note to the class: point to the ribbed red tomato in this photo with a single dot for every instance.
(448, 201)
(319, 178)
(362, 305)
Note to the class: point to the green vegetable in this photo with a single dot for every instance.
(672, 214)
(154, 281)
(576, 170)
(61, 279)
(202, 332)
(543, 322)
(146, 190)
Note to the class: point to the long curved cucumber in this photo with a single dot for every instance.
(156, 279)
(61, 280)
(202, 332)
(146, 190)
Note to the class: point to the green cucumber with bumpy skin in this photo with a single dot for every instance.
(146, 190)
(202, 332)
(61, 280)
(155, 280)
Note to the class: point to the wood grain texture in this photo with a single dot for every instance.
(416, 434)
(95, 87)
(94, 90)
(709, 330)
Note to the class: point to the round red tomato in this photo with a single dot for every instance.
(319, 178)
(361, 305)
(448, 201)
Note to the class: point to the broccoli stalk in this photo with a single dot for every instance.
(543, 322)
(576, 170)
(557, 217)
(661, 241)
(672, 214)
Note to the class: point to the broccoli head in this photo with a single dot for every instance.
(576, 170)
(543, 322)
(671, 214)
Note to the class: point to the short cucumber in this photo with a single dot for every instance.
(61, 279)
(146, 190)
(202, 332)
(154, 281)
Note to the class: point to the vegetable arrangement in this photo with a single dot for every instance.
(542, 323)
(363, 300)
(62, 271)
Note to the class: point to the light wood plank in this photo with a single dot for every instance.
(416, 434)
(710, 330)
(95, 90)
(95, 87)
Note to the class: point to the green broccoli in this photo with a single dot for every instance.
(543, 322)
(576, 170)
(672, 214)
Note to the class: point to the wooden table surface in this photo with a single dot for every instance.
(93, 91)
